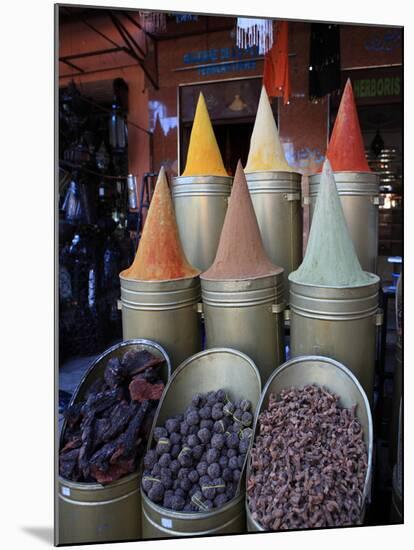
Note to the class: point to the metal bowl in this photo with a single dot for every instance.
(206, 371)
(91, 512)
(323, 371)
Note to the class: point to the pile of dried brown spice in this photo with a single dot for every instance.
(106, 433)
(308, 462)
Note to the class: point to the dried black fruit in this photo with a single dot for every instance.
(192, 418)
(217, 411)
(218, 441)
(205, 412)
(159, 432)
(232, 441)
(172, 425)
(204, 435)
(212, 455)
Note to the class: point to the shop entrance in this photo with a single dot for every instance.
(233, 140)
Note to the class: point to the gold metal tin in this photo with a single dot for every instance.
(276, 198)
(359, 196)
(164, 311)
(337, 322)
(247, 315)
(91, 512)
(200, 204)
(331, 374)
(396, 398)
(206, 371)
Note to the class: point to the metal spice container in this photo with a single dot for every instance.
(337, 322)
(398, 374)
(91, 512)
(206, 371)
(200, 204)
(359, 196)
(164, 311)
(276, 198)
(397, 502)
(334, 376)
(247, 315)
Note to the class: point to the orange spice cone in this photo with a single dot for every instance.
(346, 151)
(160, 256)
(203, 157)
(240, 253)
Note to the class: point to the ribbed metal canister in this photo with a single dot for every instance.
(396, 398)
(91, 512)
(206, 371)
(337, 322)
(247, 315)
(331, 374)
(397, 503)
(359, 195)
(398, 374)
(164, 311)
(200, 204)
(276, 198)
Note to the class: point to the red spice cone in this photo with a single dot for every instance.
(240, 253)
(346, 151)
(160, 255)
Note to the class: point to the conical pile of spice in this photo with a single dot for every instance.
(160, 256)
(240, 254)
(203, 157)
(266, 151)
(330, 258)
(346, 151)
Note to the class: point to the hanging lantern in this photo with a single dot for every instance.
(255, 32)
(117, 129)
(102, 158)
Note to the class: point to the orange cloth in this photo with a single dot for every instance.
(276, 65)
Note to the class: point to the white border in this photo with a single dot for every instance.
(27, 288)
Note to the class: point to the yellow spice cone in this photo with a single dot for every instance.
(266, 151)
(160, 256)
(203, 158)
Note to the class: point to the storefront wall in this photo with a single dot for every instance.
(211, 55)
(77, 38)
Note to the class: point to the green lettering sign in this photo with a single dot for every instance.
(377, 87)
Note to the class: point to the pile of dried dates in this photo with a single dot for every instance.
(106, 434)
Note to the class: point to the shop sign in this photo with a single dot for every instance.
(374, 85)
(377, 87)
(221, 60)
(218, 54)
(227, 68)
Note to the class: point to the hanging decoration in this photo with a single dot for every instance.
(153, 21)
(276, 78)
(254, 32)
